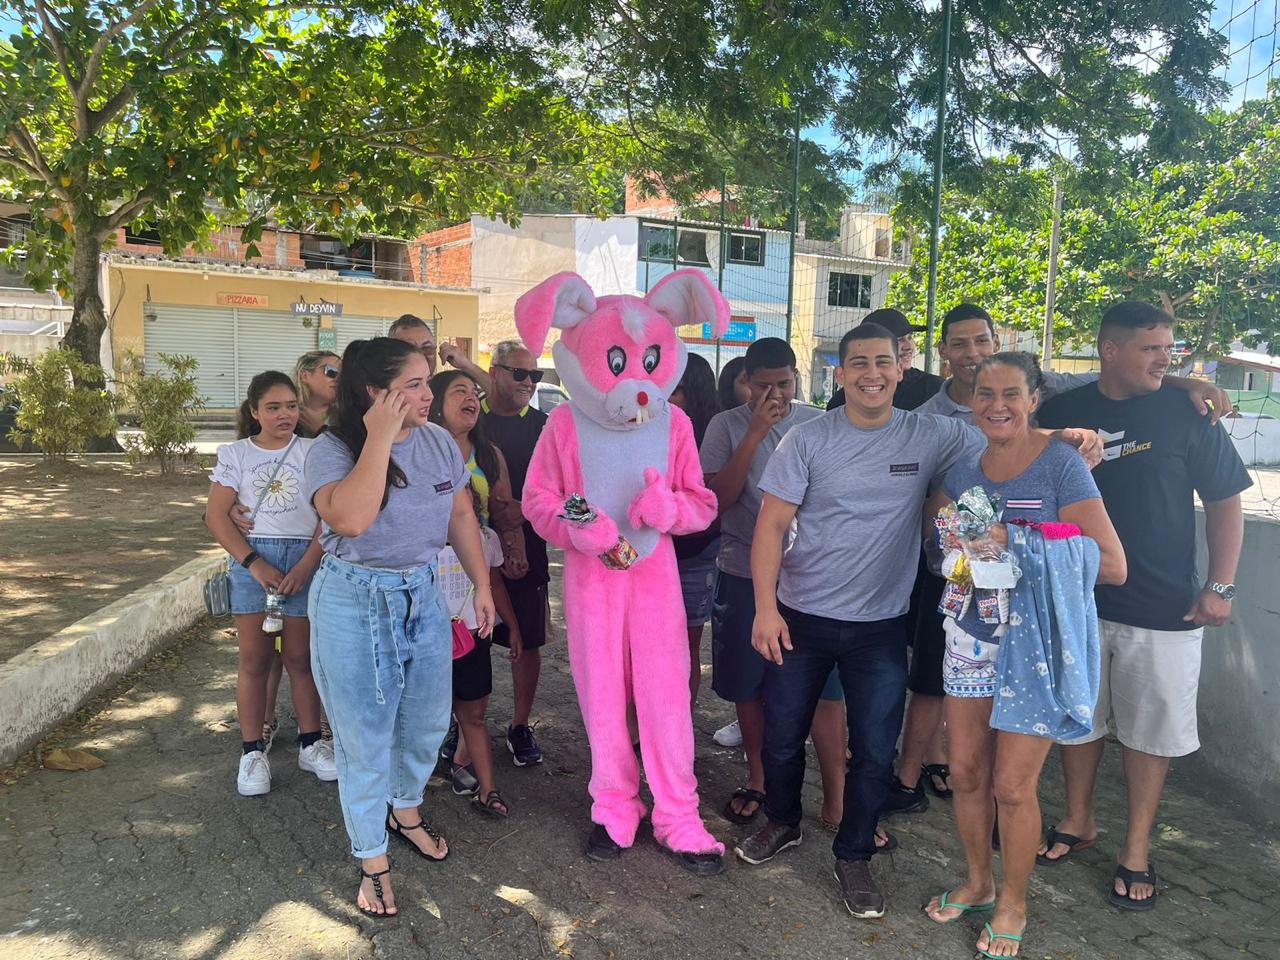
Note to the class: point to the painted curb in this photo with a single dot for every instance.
(46, 683)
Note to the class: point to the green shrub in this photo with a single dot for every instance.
(62, 402)
(163, 403)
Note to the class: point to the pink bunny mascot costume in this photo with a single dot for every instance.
(631, 454)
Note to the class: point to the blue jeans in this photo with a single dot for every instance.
(382, 655)
(871, 659)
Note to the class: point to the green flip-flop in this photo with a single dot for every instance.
(992, 936)
(965, 908)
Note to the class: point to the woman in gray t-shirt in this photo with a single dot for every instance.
(390, 489)
(1039, 480)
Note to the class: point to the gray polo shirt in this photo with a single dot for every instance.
(941, 404)
(737, 524)
(859, 494)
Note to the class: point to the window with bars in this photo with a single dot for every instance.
(849, 290)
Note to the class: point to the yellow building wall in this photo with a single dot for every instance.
(130, 285)
(803, 340)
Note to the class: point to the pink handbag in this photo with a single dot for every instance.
(463, 641)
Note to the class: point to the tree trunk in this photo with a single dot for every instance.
(88, 318)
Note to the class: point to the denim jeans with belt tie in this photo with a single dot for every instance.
(382, 657)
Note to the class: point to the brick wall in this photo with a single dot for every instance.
(225, 244)
(443, 257)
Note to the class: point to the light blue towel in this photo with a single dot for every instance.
(1049, 660)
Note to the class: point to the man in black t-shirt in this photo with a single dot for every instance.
(514, 427)
(916, 386)
(1159, 453)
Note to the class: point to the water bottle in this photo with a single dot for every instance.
(273, 619)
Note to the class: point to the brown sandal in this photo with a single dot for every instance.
(492, 805)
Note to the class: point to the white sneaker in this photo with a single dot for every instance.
(729, 736)
(318, 759)
(255, 775)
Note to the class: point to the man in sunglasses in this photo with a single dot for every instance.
(515, 426)
(415, 331)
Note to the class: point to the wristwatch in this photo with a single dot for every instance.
(1226, 591)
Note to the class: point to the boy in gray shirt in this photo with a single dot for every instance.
(735, 450)
(855, 481)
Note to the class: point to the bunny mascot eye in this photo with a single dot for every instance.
(651, 358)
(618, 360)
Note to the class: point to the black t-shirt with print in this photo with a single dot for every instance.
(1158, 452)
(516, 436)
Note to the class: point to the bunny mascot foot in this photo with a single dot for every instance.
(628, 459)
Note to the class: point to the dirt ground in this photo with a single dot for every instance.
(79, 535)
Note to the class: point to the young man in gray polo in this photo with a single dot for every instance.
(855, 478)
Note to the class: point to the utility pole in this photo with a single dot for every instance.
(931, 303)
(1051, 287)
(795, 225)
(720, 272)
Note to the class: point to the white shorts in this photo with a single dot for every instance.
(1147, 690)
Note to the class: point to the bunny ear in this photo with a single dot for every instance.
(687, 296)
(561, 301)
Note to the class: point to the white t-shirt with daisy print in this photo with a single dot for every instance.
(246, 468)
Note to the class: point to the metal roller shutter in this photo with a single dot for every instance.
(358, 328)
(208, 334)
(269, 340)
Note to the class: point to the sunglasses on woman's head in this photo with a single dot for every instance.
(331, 371)
(520, 374)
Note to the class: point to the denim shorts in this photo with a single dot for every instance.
(247, 594)
(737, 670)
(698, 583)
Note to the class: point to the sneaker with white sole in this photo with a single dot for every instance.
(318, 759)
(254, 778)
(729, 736)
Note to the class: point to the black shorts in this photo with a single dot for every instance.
(928, 641)
(473, 674)
(529, 600)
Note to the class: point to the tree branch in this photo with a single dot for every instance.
(22, 139)
(15, 161)
(54, 37)
(127, 212)
(113, 30)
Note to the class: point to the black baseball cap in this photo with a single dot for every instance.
(895, 321)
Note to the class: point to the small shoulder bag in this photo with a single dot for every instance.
(217, 589)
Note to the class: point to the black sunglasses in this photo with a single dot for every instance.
(520, 374)
(331, 371)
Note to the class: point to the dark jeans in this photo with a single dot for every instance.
(872, 662)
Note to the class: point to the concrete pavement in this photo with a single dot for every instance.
(156, 856)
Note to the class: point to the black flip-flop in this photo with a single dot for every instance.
(1072, 842)
(1130, 877)
(744, 793)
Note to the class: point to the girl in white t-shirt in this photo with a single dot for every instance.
(263, 472)
(472, 759)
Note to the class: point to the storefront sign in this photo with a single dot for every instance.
(327, 339)
(741, 330)
(242, 300)
(322, 309)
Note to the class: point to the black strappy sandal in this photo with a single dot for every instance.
(943, 773)
(377, 892)
(400, 829)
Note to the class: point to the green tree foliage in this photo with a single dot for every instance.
(58, 411)
(384, 115)
(1198, 236)
(163, 403)
(336, 117)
